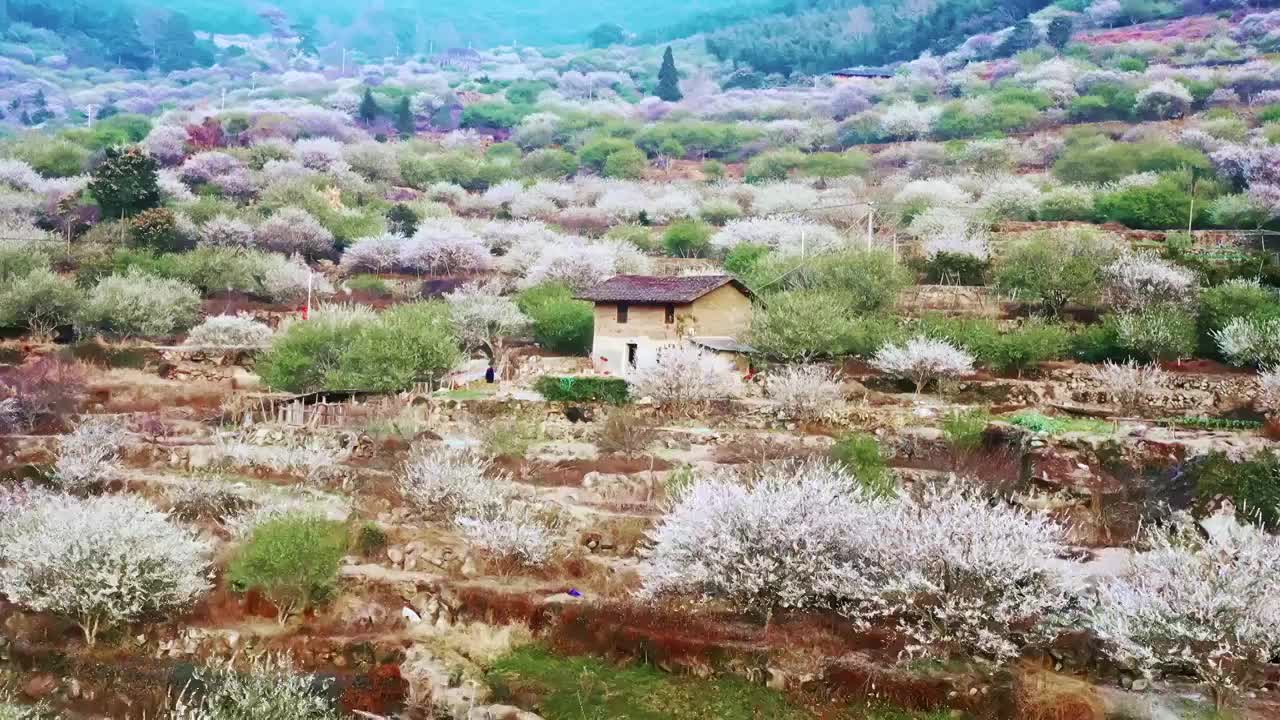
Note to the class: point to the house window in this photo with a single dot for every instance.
(622, 313)
(633, 351)
(671, 314)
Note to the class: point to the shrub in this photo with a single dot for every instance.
(446, 482)
(686, 376)
(625, 432)
(292, 560)
(1268, 399)
(229, 331)
(89, 456)
(1130, 386)
(549, 163)
(805, 392)
(1160, 332)
(40, 301)
(561, 324)
(1055, 272)
(1221, 304)
(1029, 345)
(1251, 483)
(570, 389)
(158, 229)
(922, 359)
(628, 164)
(444, 247)
(125, 182)
(1136, 281)
(1164, 100)
(1160, 206)
(597, 152)
(965, 430)
(1191, 604)
(687, 238)
(410, 343)
(267, 688)
(1250, 342)
(760, 547)
(137, 305)
(510, 538)
(48, 388)
(294, 231)
(800, 325)
(102, 561)
(860, 456)
(223, 231)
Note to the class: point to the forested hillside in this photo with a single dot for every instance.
(811, 36)
(411, 26)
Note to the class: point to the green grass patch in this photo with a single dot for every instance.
(582, 389)
(1038, 422)
(583, 688)
(466, 394)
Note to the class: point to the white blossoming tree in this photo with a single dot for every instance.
(450, 482)
(961, 574)
(1130, 386)
(1189, 604)
(101, 561)
(1138, 280)
(762, 547)
(805, 392)
(89, 455)
(1269, 391)
(922, 359)
(487, 321)
(686, 376)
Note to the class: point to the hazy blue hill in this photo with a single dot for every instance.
(486, 23)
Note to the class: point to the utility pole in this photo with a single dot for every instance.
(224, 100)
(89, 108)
(344, 62)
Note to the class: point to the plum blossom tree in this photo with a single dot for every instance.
(268, 687)
(449, 482)
(167, 144)
(223, 231)
(922, 359)
(510, 538)
(1209, 606)
(487, 321)
(101, 561)
(1164, 99)
(962, 574)
(1269, 391)
(1138, 280)
(229, 331)
(1250, 341)
(376, 254)
(89, 455)
(1130, 386)
(686, 376)
(805, 392)
(770, 545)
(444, 247)
(294, 231)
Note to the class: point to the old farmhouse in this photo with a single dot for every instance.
(636, 316)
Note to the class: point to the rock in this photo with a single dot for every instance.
(777, 680)
(40, 686)
(395, 556)
(1140, 684)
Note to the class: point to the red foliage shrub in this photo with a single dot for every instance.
(206, 136)
(40, 394)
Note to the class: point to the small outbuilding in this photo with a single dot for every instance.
(636, 316)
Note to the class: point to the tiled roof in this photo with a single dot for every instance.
(653, 289)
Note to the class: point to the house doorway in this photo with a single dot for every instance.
(632, 351)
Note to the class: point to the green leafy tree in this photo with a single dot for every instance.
(688, 238)
(369, 108)
(560, 323)
(125, 182)
(606, 34)
(292, 560)
(1059, 32)
(669, 78)
(1052, 272)
(405, 123)
(402, 219)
